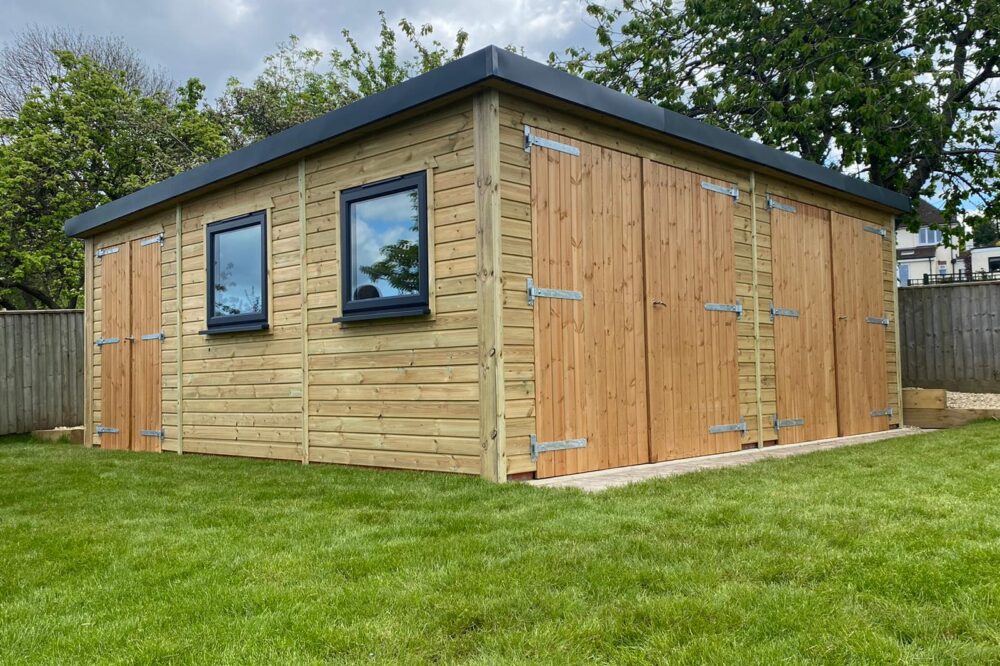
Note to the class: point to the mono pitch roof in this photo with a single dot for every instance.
(491, 64)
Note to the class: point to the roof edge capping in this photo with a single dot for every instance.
(491, 62)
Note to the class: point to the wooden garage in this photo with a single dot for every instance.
(495, 268)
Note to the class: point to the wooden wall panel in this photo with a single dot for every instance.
(693, 355)
(860, 345)
(589, 355)
(806, 378)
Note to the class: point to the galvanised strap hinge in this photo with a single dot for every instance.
(535, 140)
(875, 230)
(561, 445)
(732, 191)
(154, 336)
(101, 430)
(726, 307)
(881, 321)
(777, 205)
(538, 292)
(787, 423)
(783, 312)
(152, 433)
(106, 250)
(100, 342)
(740, 427)
(157, 239)
(883, 412)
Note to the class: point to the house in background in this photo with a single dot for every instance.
(922, 256)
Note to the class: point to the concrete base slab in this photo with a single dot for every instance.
(620, 476)
(72, 435)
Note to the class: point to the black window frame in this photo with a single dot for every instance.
(385, 306)
(251, 321)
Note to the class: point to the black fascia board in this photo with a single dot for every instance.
(490, 63)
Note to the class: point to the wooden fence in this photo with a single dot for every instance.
(950, 337)
(41, 369)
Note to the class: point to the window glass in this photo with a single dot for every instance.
(929, 236)
(994, 264)
(237, 272)
(385, 236)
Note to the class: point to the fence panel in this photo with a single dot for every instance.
(950, 336)
(41, 369)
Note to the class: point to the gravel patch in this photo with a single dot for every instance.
(973, 400)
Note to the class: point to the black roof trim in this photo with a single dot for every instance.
(490, 63)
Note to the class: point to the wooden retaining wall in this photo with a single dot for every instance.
(950, 337)
(41, 369)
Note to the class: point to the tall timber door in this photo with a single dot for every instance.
(802, 312)
(862, 388)
(590, 369)
(130, 345)
(691, 314)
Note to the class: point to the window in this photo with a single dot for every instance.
(904, 275)
(384, 249)
(994, 264)
(236, 260)
(929, 236)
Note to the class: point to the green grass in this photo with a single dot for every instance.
(887, 552)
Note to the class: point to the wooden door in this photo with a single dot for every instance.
(692, 351)
(116, 362)
(862, 387)
(806, 381)
(145, 345)
(590, 367)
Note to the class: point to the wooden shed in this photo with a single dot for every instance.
(495, 268)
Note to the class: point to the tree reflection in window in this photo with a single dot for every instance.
(386, 245)
(237, 272)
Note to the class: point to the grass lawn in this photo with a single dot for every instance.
(875, 553)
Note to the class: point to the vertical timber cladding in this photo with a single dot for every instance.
(589, 351)
(692, 341)
(802, 313)
(860, 325)
(130, 345)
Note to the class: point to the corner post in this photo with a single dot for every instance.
(304, 316)
(88, 342)
(492, 419)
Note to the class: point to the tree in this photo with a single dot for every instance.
(86, 140)
(29, 61)
(902, 92)
(297, 85)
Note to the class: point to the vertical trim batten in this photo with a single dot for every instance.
(304, 321)
(88, 342)
(179, 277)
(895, 318)
(754, 244)
(492, 420)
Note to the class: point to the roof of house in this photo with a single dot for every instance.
(490, 65)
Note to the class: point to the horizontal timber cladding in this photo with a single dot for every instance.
(398, 392)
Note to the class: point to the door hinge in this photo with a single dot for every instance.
(157, 239)
(100, 342)
(535, 140)
(875, 230)
(783, 312)
(106, 250)
(732, 191)
(152, 433)
(883, 412)
(726, 307)
(561, 445)
(538, 292)
(882, 321)
(787, 423)
(740, 427)
(777, 205)
(101, 430)
(154, 336)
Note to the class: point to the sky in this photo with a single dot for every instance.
(216, 39)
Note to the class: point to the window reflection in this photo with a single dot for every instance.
(386, 246)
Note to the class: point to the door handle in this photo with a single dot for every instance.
(129, 338)
(659, 302)
(844, 317)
